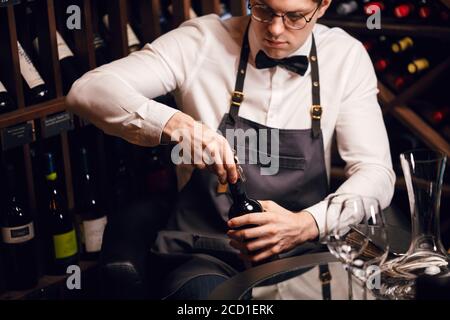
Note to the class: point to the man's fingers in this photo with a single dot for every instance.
(250, 218)
(229, 164)
(264, 254)
(260, 243)
(250, 233)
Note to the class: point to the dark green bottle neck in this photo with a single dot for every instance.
(238, 191)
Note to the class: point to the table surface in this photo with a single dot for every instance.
(303, 273)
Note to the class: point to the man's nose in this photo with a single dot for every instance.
(276, 26)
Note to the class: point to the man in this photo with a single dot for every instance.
(283, 73)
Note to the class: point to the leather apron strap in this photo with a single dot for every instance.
(237, 97)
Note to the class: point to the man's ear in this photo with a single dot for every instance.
(323, 8)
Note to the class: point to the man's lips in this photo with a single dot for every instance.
(275, 42)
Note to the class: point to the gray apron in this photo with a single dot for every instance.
(195, 242)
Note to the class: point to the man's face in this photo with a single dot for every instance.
(274, 38)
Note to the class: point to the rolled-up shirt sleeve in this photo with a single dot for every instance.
(362, 141)
(117, 97)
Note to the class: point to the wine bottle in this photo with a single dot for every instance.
(101, 51)
(2, 276)
(425, 10)
(418, 65)
(369, 5)
(123, 176)
(402, 45)
(436, 116)
(404, 10)
(242, 204)
(69, 66)
(6, 102)
(35, 87)
(346, 8)
(93, 218)
(378, 49)
(158, 176)
(133, 42)
(224, 11)
(19, 244)
(60, 223)
(70, 70)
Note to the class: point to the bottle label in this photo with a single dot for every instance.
(65, 244)
(132, 38)
(63, 49)
(29, 72)
(18, 234)
(93, 233)
(2, 87)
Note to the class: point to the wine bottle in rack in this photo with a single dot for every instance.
(404, 10)
(425, 9)
(436, 115)
(18, 235)
(35, 88)
(101, 50)
(6, 102)
(402, 45)
(403, 78)
(224, 10)
(346, 8)
(64, 249)
(92, 217)
(123, 175)
(369, 7)
(133, 42)
(378, 49)
(70, 70)
(418, 65)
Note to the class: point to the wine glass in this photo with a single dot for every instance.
(369, 263)
(345, 212)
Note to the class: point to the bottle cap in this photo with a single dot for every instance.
(50, 170)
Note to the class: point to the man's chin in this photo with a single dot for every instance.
(276, 53)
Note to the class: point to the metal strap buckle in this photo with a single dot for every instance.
(237, 98)
(325, 277)
(316, 112)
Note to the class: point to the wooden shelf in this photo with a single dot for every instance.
(339, 174)
(446, 2)
(389, 28)
(414, 122)
(32, 112)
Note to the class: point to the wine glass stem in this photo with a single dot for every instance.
(350, 283)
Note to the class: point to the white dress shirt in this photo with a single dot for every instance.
(199, 61)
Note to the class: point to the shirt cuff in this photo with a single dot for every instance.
(155, 116)
(318, 211)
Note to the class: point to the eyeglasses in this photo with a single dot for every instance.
(292, 20)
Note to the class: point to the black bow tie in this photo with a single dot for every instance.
(297, 64)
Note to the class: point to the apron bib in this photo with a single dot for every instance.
(195, 242)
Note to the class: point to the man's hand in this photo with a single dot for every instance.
(278, 230)
(207, 148)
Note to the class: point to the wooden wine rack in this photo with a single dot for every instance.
(51, 17)
(84, 51)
